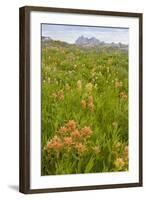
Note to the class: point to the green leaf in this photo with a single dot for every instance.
(89, 166)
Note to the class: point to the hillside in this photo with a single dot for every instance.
(84, 99)
(86, 43)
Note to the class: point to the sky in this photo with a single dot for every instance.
(69, 33)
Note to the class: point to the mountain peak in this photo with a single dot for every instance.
(85, 41)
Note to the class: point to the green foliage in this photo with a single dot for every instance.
(90, 88)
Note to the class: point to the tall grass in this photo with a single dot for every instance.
(90, 90)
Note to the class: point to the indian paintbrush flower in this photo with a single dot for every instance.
(80, 148)
(79, 85)
(119, 163)
(83, 104)
(86, 131)
(89, 87)
(71, 125)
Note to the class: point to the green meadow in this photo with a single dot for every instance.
(84, 110)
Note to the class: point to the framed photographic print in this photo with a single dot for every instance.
(80, 99)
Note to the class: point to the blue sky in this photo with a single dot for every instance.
(70, 33)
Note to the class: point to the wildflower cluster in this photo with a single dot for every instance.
(55, 143)
(70, 137)
(118, 84)
(88, 103)
(59, 95)
(123, 95)
(120, 153)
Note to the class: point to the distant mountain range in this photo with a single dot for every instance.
(85, 42)
(92, 42)
(44, 38)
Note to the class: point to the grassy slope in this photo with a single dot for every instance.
(62, 67)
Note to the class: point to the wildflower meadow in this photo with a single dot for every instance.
(84, 110)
